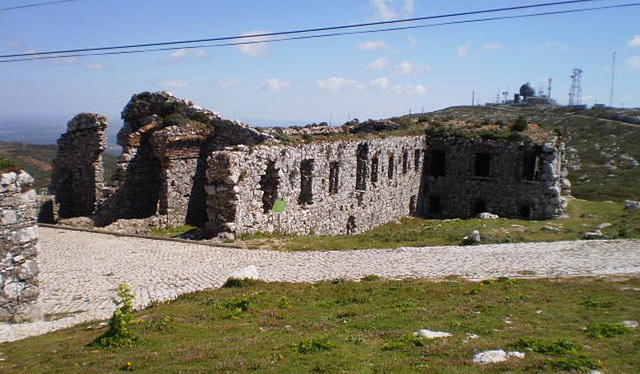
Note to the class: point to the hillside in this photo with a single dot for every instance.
(37, 160)
(603, 152)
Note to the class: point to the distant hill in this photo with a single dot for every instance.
(603, 144)
(37, 160)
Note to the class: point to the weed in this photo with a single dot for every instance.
(284, 303)
(162, 324)
(118, 334)
(580, 363)
(605, 330)
(241, 283)
(408, 340)
(313, 345)
(370, 278)
(557, 347)
(590, 303)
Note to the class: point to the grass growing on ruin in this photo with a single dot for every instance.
(583, 216)
(367, 326)
(171, 232)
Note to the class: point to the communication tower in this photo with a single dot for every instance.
(575, 95)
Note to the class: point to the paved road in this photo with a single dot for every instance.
(80, 270)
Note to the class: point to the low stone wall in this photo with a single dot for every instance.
(329, 188)
(19, 287)
(465, 177)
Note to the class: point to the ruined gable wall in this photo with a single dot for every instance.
(77, 177)
(237, 181)
(505, 191)
(19, 286)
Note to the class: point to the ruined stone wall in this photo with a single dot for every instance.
(465, 177)
(19, 287)
(330, 188)
(77, 177)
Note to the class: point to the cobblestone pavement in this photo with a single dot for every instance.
(80, 270)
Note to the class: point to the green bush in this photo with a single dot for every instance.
(313, 345)
(605, 330)
(118, 334)
(7, 166)
(520, 124)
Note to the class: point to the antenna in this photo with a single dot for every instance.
(613, 75)
(575, 95)
(549, 89)
(473, 97)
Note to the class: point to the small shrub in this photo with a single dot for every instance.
(370, 278)
(590, 303)
(558, 347)
(579, 363)
(408, 340)
(240, 283)
(118, 334)
(284, 303)
(313, 345)
(605, 330)
(520, 124)
(7, 166)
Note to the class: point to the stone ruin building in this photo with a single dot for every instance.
(184, 164)
(19, 284)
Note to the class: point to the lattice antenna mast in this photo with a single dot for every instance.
(575, 95)
(613, 75)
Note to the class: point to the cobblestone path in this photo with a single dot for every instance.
(80, 270)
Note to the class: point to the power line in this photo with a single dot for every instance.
(477, 20)
(35, 5)
(302, 31)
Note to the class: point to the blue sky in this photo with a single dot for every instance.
(363, 76)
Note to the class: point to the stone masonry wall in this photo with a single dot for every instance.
(77, 177)
(330, 188)
(509, 179)
(19, 287)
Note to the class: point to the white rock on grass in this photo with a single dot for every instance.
(431, 334)
(487, 215)
(498, 355)
(630, 204)
(473, 237)
(472, 336)
(250, 272)
(592, 234)
(630, 324)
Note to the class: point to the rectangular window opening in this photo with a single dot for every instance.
(306, 182)
(392, 164)
(405, 162)
(416, 160)
(482, 164)
(437, 164)
(269, 184)
(375, 165)
(531, 167)
(334, 177)
(362, 166)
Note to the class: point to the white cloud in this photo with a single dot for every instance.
(173, 83)
(409, 68)
(634, 62)
(94, 65)
(463, 50)
(492, 46)
(63, 60)
(229, 83)
(413, 42)
(372, 45)
(275, 85)
(390, 9)
(555, 45)
(183, 52)
(335, 84)
(255, 50)
(408, 89)
(634, 42)
(379, 83)
(379, 64)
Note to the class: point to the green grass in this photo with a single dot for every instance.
(171, 232)
(332, 327)
(37, 160)
(582, 216)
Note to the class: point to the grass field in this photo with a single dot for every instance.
(367, 326)
(582, 216)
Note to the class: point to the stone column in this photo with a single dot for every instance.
(19, 287)
(77, 172)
